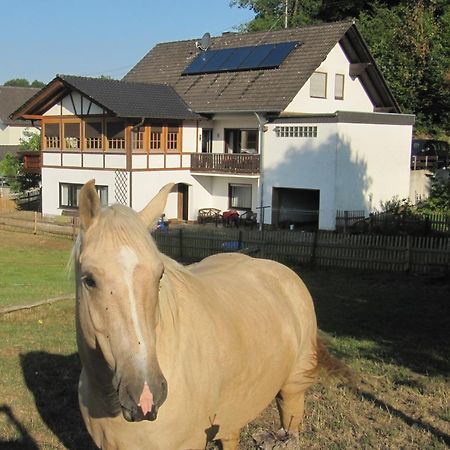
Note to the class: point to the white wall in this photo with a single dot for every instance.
(147, 184)
(11, 135)
(78, 106)
(51, 178)
(355, 166)
(302, 163)
(191, 140)
(355, 98)
(373, 165)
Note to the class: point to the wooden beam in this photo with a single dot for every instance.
(32, 116)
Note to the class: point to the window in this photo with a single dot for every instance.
(69, 195)
(318, 85)
(296, 131)
(339, 86)
(173, 139)
(137, 138)
(115, 133)
(51, 135)
(241, 141)
(240, 196)
(93, 135)
(155, 138)
(207, 140)
(72, 135)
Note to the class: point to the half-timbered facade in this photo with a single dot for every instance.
(297, 123)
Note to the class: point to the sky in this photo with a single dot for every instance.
(100, 37)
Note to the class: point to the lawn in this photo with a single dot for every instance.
(392, 330)
(32, 268)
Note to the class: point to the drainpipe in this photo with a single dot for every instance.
(261, 122)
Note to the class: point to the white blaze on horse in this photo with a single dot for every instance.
(174, 356)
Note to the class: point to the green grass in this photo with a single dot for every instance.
(392, 330)
(33, 268)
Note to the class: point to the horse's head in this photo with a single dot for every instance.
(119, 270)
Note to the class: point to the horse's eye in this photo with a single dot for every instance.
(88, 281)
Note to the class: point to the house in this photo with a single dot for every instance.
(294, 123)
(12, 130)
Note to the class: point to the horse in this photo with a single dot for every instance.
(175, 356)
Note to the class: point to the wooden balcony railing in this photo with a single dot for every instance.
(225, 163)
(32, 162)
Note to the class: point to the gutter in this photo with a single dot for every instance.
(261, 122)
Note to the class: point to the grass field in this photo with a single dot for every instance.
(32, 268)
(392, 330)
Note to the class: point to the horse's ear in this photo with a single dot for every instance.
(152, 212)
(89, 204)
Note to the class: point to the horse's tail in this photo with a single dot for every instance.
(333, 366)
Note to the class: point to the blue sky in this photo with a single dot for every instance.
(94, 37)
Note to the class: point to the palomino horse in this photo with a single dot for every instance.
(174, 356)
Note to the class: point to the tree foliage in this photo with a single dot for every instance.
(31, 140)
(23, 82)
(408, 39)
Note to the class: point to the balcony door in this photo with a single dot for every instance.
(241, 141)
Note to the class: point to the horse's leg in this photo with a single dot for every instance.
(291, 405)
(231, 442)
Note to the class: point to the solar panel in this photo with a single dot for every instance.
(278, 54)
(236, 59)
(255, 57)
(199, 62)
(217, 60)
(264, 56)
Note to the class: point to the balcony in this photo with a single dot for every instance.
(229, 163)
(32, 162)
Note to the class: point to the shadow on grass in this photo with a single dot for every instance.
(53, 380)
(25, 441)
(445, 438)
(405, 318)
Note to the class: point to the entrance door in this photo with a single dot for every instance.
(183, 202)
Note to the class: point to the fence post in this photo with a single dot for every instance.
(408, 254)
(35, 223)
(181, 242)
(312, 259)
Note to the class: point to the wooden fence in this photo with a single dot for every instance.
(393, 223)
(323, 249)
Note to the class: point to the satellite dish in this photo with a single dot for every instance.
(204, 42)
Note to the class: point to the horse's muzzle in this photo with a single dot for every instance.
(136, 415)
(131, 408)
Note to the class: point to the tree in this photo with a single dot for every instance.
(30, 141)
(408, 39)
(23, 82)
(9, 168)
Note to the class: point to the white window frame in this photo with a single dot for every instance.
(339, 95)
(318, 85)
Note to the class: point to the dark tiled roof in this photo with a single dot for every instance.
(123, 99)
(129, 99)
(268, 90)
(261, 90)
(10, 99)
